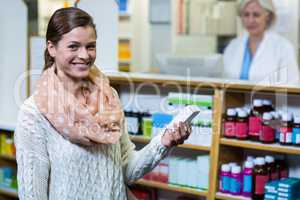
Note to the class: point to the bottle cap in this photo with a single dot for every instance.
(269, 159)
(267, 116)
(238, 109)
(242, 113)
(236, 169)
(267, 102)
(247, 109)
(249, 164)
(286, 116)
(260, 161)
(250, 158)
(225, 168)
(275, 115)
(297, 119)
(257, 102)
(231, 112)
(232, 164)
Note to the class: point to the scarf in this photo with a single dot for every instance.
(99, 119)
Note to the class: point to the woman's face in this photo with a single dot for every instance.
(255, 18)
(75, 53)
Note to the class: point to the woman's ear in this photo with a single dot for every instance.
(269, 19)
(51, 49)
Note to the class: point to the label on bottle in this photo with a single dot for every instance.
(225, 184)
(260, 182)
(235, 186)
(247, 184)
(284, 174)
(274, 176)
(285, 135)
(132, 124)
(267, 134)
(229, 129)
(296, 136)
(241, 129)
(297, 141)
(255, 126)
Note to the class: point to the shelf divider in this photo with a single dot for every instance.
(164, 186)
(145, 140)
(260, 146)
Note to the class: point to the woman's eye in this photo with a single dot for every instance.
(73, 47)
(91, 47)
(246, 14)
(256, 14)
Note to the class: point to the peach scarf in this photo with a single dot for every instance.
(99, 120)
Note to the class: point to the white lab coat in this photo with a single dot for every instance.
(273, 63)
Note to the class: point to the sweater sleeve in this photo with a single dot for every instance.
(32, 157)
(137, 163)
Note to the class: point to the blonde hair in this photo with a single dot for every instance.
(265, 4)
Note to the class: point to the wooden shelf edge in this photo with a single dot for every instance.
(8, 157)
(9, 192)
(165, 186)
(220, 195)
(259, 146)
(146, 140)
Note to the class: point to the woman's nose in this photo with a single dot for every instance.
(83, 53)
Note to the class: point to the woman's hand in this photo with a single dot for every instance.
(177, 135)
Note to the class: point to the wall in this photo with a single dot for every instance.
(141, 35)
(105, 14)
(13, 59)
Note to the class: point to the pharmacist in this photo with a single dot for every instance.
(260, 55)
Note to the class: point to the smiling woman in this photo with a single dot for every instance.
(75, 52)
(71, 137)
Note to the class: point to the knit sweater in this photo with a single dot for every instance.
(50, 167)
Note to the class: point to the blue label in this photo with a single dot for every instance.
(235, 186)
(247, 187)
(296, 136)
(225, 183)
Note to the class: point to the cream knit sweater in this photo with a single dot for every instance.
(52, 168)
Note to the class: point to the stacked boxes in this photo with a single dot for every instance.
(174, 171)
(285, 189)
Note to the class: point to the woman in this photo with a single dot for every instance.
(261, 55)
(71, 138)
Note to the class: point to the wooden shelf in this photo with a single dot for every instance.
(142, 139)
(123, 61)
(164, 79)
(259, 146)
(165, 186)
(9, 192)
(220, 195)
(8, 157)
(124, 16)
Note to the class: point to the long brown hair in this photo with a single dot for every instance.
(61, 22)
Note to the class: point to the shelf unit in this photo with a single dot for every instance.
(125, 41)
(8, 161)
(225, 94)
